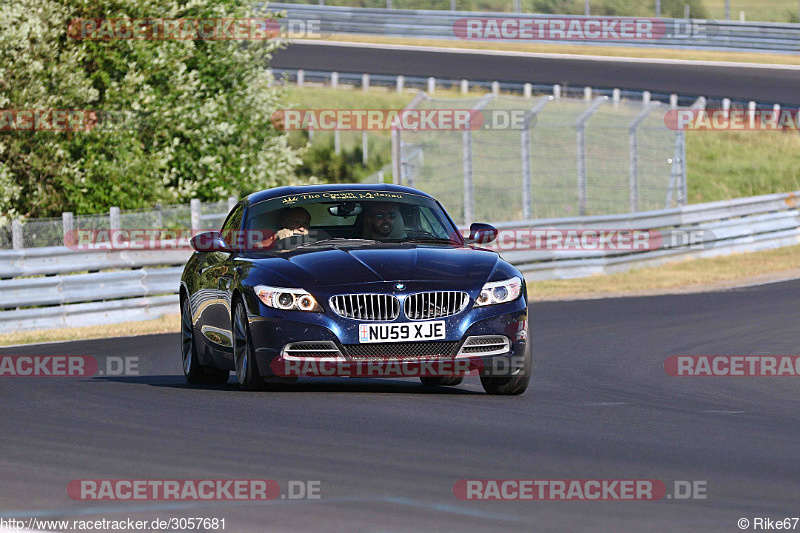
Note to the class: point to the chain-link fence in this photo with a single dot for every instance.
(40, 232)
(547, 157)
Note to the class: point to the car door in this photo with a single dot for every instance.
(215, 276)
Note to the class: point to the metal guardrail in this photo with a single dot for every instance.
(702, 34)
(141, 292)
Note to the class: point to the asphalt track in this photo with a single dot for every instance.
(764, 85)
(387, 453)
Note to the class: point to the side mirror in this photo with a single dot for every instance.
(481, 233)
(210, 241)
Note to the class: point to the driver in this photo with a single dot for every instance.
(295, 224)
(294, 221)
(383, 221)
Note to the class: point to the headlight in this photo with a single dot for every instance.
(287, 299)
(499, 292)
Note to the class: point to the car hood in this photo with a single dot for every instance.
(374, 264)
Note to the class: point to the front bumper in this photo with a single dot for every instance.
(272, 330)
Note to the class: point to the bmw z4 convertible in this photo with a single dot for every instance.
(351, 280)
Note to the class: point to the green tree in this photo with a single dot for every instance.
(200, 110)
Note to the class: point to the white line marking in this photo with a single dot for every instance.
(573, 57)
(604, 404)
(712, 411)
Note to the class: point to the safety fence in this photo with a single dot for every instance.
(675, 33)
(56, 286)
(546, 157)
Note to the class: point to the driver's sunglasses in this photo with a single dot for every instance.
(381, 216)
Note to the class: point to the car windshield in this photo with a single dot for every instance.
(357, 217)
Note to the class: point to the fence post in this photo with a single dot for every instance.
(525, 146)
(364, 148)
(495, 88)
(334, 80)
(431, 85)
(67, 222)
(615, 97)
(232, 201)
(113, 218)
(646, 97)
(587, 93)
(310, 134)
(195, 213)
(396, 155)
(556, 91)
(673, 101)
(464, 86)
(658, 9)
(633, 151)
(580, 127)
(527, 90)
(397, 141)
(400, 81)
(365, 81)
(337, 141)
(16, 234)
(751, 113)
(301, 77)
(469, 200)
(466, 149)
(684, 197)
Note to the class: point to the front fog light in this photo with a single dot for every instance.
(286, 299)
(499, 292)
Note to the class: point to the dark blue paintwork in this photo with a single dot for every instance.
(214, 281)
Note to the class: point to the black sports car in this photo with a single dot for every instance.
(351, 280)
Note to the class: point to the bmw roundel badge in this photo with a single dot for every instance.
(399, 286)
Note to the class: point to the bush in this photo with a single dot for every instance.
(201, 110)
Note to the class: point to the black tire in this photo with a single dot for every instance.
(513, 384)
(243, 354)
(441, 381)
(193, 371)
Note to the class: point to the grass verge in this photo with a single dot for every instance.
(582, 50)
(697, 275)
(165, 324)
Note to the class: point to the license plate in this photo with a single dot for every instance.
(403, 332)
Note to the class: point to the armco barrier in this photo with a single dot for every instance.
(712, 34)
(137, 285)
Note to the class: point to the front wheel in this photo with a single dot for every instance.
(516, 383)
(193, 371)
(243, 354)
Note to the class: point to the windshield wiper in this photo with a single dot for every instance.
(441, 240)
(334, 240)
